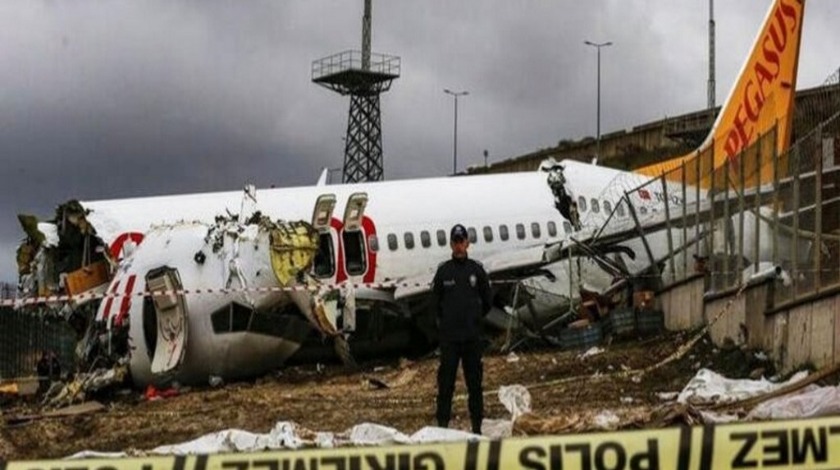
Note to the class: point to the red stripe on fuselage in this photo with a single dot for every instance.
(370, 231)
(126, 300)
(106, 312)
(340, 272)
(117, 247)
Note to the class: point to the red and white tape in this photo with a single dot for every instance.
(26, 301)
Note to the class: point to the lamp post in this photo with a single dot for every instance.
(455, 94)
(598, 46)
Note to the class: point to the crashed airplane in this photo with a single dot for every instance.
(186, 287)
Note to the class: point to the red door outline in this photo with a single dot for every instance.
(368, 230)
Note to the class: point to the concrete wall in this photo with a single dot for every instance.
(682, 304)
(806, 333)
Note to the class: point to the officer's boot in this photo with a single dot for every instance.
(476, 426)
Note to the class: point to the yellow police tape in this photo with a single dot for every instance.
(811, 444)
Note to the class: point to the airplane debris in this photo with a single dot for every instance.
(76, 390)
(516, 399)
(606, 420)
(153, 393)
(71, 410)
(400, 379)
(593, 351)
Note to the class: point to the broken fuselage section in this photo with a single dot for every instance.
(233, 298)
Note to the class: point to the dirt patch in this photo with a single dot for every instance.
(328, 398)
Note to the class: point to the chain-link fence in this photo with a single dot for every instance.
(758, 213)
(23, 338)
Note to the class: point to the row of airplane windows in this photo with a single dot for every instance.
(487, 233)
(504, 233)
(596, 205)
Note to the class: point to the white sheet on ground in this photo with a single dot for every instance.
(285, 435)
(811, 402)
(708, 387)
(92, 454)
(431, 434)
(369, 434)
(288, 435)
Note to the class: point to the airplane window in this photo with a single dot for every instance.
(392, 242)
(220, 319)
(441, 238)
(354, 251)
(425, 239)
(552, 228)
(596, 206)
(231, 318)
(535, 229)
(488, 234)
(503, 233)
(567, 227)
(409, 240)
(276, 323)
(323, 264)
(582, 204)
(520, 231)
(373, 243)
(473, 235)
(607, 207)
(619, 209)
(240, 317)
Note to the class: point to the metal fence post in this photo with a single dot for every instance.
(684, 222)
(757, 203)
(818, 211)
(668, 229)
(795, 248)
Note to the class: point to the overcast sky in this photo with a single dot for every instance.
(108, 99)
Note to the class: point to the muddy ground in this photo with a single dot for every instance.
(330, 398)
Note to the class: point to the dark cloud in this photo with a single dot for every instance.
(117, 99)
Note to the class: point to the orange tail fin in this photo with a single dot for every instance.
(762, 98)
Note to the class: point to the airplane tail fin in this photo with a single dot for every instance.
(761, 101)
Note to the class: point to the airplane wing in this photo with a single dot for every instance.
(513, 264)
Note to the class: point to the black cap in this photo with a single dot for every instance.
(458, 233)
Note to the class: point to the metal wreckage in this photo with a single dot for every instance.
(263, 296)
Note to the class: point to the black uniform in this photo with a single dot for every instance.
(462, 299)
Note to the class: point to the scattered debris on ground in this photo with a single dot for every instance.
(568, 393)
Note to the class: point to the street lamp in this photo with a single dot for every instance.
(598, 46)
(455, 94)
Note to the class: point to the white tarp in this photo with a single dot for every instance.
(288, 435)
(709, 387)
(369, 434)
(810, 402)
(285, 435)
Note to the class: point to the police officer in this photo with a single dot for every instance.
(462, 299)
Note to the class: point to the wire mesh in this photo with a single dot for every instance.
(23, 338)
